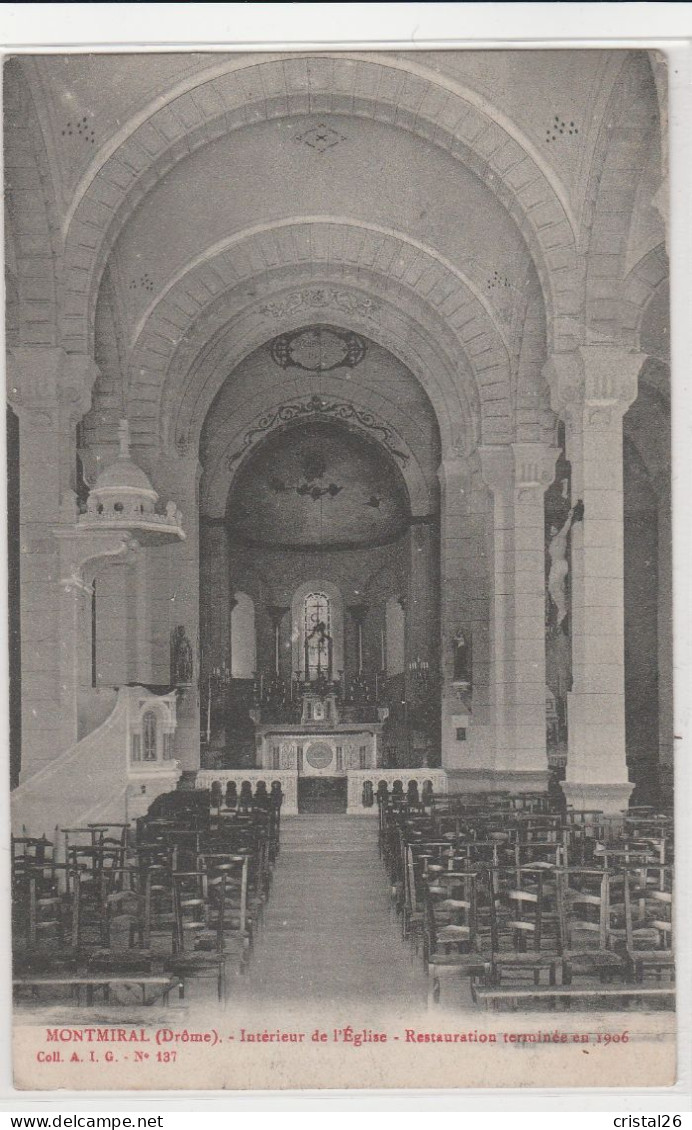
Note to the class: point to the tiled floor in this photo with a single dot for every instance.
(329, 934)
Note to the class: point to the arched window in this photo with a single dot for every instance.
(243, 639)
(149, 735)
(396, 623)
(317, 632)
(317, 601)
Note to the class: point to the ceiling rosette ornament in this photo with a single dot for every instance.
(318, 349)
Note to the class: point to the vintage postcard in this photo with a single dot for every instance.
(339, 514)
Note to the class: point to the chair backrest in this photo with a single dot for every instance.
(227, 874)
(584, 907)
(649, 912)
(522, 909)
(196, 912)
(451, 899)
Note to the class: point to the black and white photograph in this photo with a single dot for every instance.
(340, 568)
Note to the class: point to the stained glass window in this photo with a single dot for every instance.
(317, 628)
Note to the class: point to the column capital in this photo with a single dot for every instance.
(45, 380)
(534, 464)
(602, 377)
(497, 466)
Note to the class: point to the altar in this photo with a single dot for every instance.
(319, 750)
(320, 745)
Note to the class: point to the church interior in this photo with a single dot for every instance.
(339, 515)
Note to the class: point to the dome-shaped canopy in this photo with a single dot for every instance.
(123, 477)
(123, 497)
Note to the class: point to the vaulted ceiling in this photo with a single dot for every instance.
(466, 211)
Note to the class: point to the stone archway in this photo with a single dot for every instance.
(409, 96)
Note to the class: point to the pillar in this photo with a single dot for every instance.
(421, 615)
(666, 744)
(49, 391)
(467, 752)
(215, 597)
(591, 389)
(358, 612)
(276, 614)
(518, 476)
(176, 476)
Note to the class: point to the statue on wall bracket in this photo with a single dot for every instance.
(181, 658)
(462, 657)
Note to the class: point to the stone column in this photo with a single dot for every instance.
(358, 612)
(215, 611)
(666, 744)
(421, 614)
(518, 476)
(276, 614)
(591, 389)
(49, 391)
(498, 472)
(177, 477)
(464, 606)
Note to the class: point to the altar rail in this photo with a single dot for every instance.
(363, 786)
(287, 778)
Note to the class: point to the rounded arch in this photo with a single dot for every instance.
(176, 407)
(31, 214)
(630, 123)
(412, 292)
(404, 94)
(642, 285)
(218, 478)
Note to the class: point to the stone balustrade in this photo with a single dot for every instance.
(362, 800)
(362, 784)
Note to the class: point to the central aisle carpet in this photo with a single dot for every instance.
(329, 935)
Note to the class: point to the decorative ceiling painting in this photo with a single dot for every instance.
(319, 484)
(318, 349)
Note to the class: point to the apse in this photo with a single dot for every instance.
(319, 548)
(321, 486)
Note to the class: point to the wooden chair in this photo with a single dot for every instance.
(588, 936)
(227, 877)
(649, 930)
(525, 934)
(126, 907)
(452, 942)
(198, 932)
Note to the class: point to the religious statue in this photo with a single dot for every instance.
(181, 657)
(461, 651)
(559, 568)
